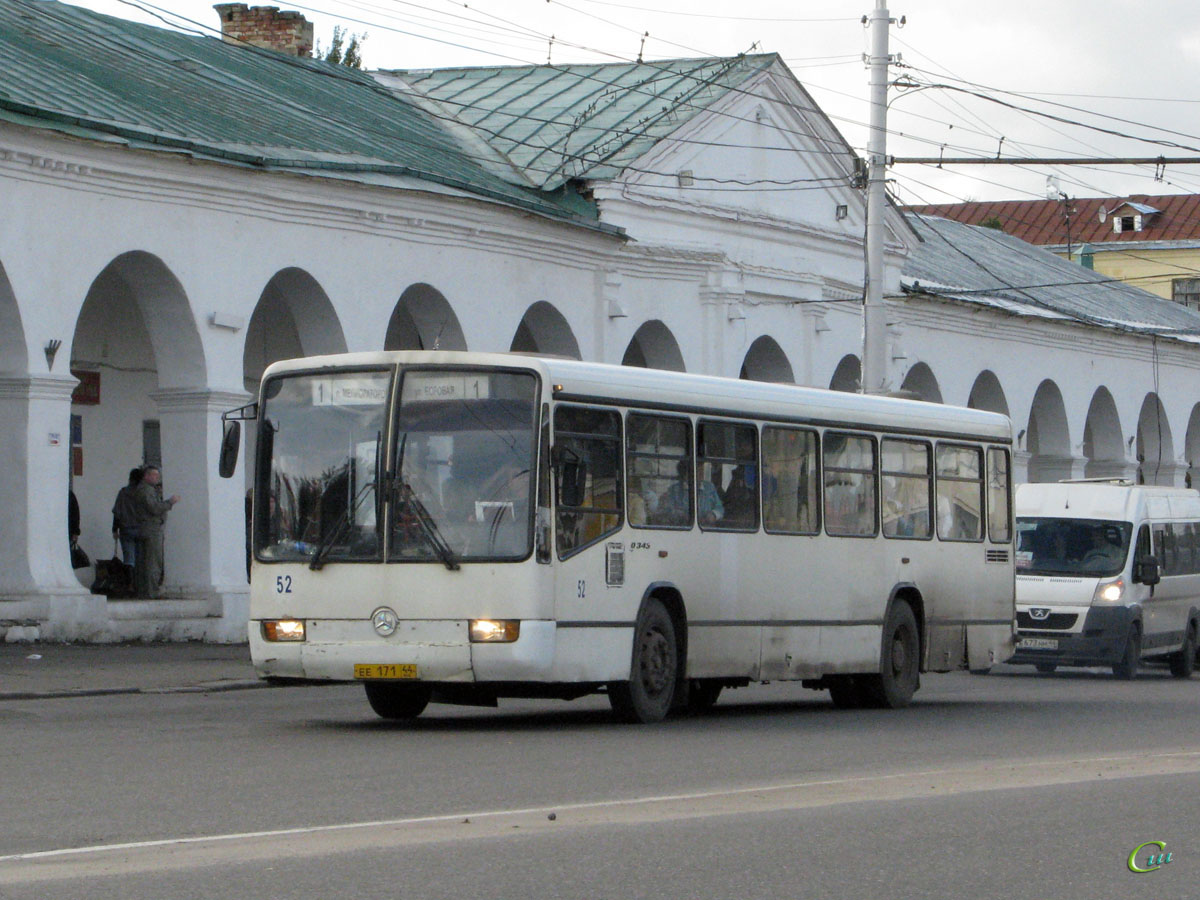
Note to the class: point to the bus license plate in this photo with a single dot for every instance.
(386, 671)
(1037, 644)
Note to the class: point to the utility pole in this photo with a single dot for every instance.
(874, 361)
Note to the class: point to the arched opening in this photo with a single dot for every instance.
(293, 317)
(1155, 448)
(986, 393)
(847, 376)
(920, 381)
(423, 320)
(543, 329)
(1047, 437)
(766, 361)
(653, 346)
(14, 444)
(1103, 447)
(137, 352)
(1191, 448)
(14, 358)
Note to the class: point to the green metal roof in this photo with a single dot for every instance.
(96, 76)
(561, 122)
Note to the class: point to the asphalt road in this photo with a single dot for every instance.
(1011, 785)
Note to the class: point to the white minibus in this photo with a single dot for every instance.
(459, 527)
(1108, 574)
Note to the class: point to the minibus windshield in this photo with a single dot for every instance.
(1084, 547)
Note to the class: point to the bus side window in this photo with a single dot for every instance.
(727, 483)
(790, 492)
(658, 453)
(999, 505)
(907, 486)
(587, 476)
(959, 493)
(849, 479)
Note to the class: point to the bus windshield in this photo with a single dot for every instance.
(1088, 547)
(465, 455)
(320, 444)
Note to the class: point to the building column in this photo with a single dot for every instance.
(40, 597)
(1123, 469)
(205, 553)
(1055, 468)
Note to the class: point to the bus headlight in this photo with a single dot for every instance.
(1109, 591)
(494, 631)
(283, 629)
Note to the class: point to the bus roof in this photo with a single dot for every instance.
(1098, 500)
(683, 392)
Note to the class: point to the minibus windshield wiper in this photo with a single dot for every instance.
(428, 524)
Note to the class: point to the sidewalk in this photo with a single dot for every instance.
(40, 670)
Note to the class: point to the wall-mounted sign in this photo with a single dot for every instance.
(87, 392)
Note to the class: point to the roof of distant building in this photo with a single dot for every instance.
(557, 122)
(988, 267)
(1078, 220)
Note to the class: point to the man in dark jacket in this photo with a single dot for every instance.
(125, 518)
(151, 512)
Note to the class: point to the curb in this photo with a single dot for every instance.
(210, 688)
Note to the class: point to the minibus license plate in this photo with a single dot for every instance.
(1037, 644)
(387, 671)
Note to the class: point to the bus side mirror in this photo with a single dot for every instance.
(1147, 571)
(231, 442)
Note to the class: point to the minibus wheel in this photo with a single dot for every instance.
(900, 661)
(654, 671)
(393, 700)
(1183, 662)
(1126, 667)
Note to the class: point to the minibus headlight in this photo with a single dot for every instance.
(494, 631)
(1109, 591)
(283, 629)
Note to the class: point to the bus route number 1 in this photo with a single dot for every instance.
(283, 584)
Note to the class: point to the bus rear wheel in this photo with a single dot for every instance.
(900, 661)
(654, 671)
(1183, 661)
(1126, 667)
(392, 700)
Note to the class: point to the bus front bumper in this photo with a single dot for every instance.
(1101, 641)
(425, 650)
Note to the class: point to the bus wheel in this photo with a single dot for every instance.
(1126, 668)
(702, 694)
(900, 663)
(653, 676)
(397, 701)
(846, 692)
(1183, 662)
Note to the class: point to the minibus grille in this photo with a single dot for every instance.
(1053, 622)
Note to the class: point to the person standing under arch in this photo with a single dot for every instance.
(152, 512)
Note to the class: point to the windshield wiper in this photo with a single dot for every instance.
(428, 524)
(340, 526)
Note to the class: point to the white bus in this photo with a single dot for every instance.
(460, 527)
(1108, 574)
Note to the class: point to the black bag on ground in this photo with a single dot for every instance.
(79, 559)
(114, 579)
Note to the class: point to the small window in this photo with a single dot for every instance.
(658, 452)
(906, 477)
(587, 476)
(1186, 291)
(790, 492)
(727, 476)
(849, 484)
(959, 493)
(998, 497)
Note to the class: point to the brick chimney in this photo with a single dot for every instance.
(265, 26)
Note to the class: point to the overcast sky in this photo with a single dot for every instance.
(1118, 65)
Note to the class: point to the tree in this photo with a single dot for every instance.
(344, 48)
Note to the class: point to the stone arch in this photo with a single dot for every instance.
(653, 346)
(543, 329)
(848, 375)
(921, 381)
(766, 361)
(293, 317)
(1103, 444)
(423, 320)
(986, 393)
(14, 355)
(1047, 436)
(1191, 448)
(1155, 447)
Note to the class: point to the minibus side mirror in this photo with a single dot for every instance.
(1147, 571)
(231, 442)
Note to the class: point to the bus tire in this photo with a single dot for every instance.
(846, 692)
(1126, 667)
(654, 669)
(899, 663)
(391, 700)
(1183, 661)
